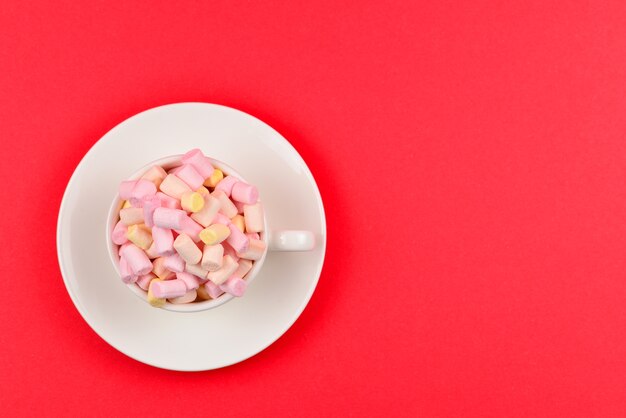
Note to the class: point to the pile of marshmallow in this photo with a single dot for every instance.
(190, 234)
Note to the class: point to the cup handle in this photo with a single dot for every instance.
(291, 241)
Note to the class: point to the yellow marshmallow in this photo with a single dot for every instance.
(126, 204)
(202, 293)
(156, 302)
(192, 201)
(214, 179)
(140, 236)
(239, 222)
(214, 234)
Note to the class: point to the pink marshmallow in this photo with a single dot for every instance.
(199, 162)
(169, 218)
(253, 235)
(144, 281)
(237, 239)
(245, 193)
(221, 219)
(169, 289)
(174, 263)
(163, 241)
(143, 189)
(226, 184)
(229, 265)
(244, 267)
(118, 236)
(229, 250)
(226, 205)
(235, 286)
(155, 174)
(187, 249)
(138, 261)
(126, 189)
(149, 205)
(151, 251)
(212, 257)
(213, 290)
(189, 279)
(191, 228)
(168, 201)
(255, 250)
(197, 270)
(239, 206)
(190, 176)
(125, 272)
(174, 186)
(254, 218)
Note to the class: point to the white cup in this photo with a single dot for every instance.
(274, 240)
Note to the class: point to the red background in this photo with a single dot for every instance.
(472, 161)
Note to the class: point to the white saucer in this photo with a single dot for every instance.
(218, 337)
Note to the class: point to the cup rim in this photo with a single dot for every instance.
(170, 162)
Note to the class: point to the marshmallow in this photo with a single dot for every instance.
(221, 219)
(144, 281)
(189, 279)
(173, 186)
(239, 206)
(169, 218)
(239, 222)
(203, 190)
(142, 190)
(192, 201)
(187, 249)
(208, 212)
(163, 240)
(149, 205)
(131, 216)
(212, 257)
(126, 189)
(197, 270)
(140, 236)
(174, 263)
(151, 252)
(201, 163)
(244, 193)
(237, 239)
(190, 176)
(213, 290)
(118, 236)
(158, 268)
(229, 250)
(254, 218)
(202, 292)
(235, 286)
(215, 178)
(168, 289)
(168, 201)
(191, 228)
(255, 250)
(226, 205)
(226, 185)
(138, 261)
(188, 297)
(152, 299)
(229, 265)
(126, 204)
(215, 234)
(244, 267)
(155, 174)
(125, 272)
(253, 235)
